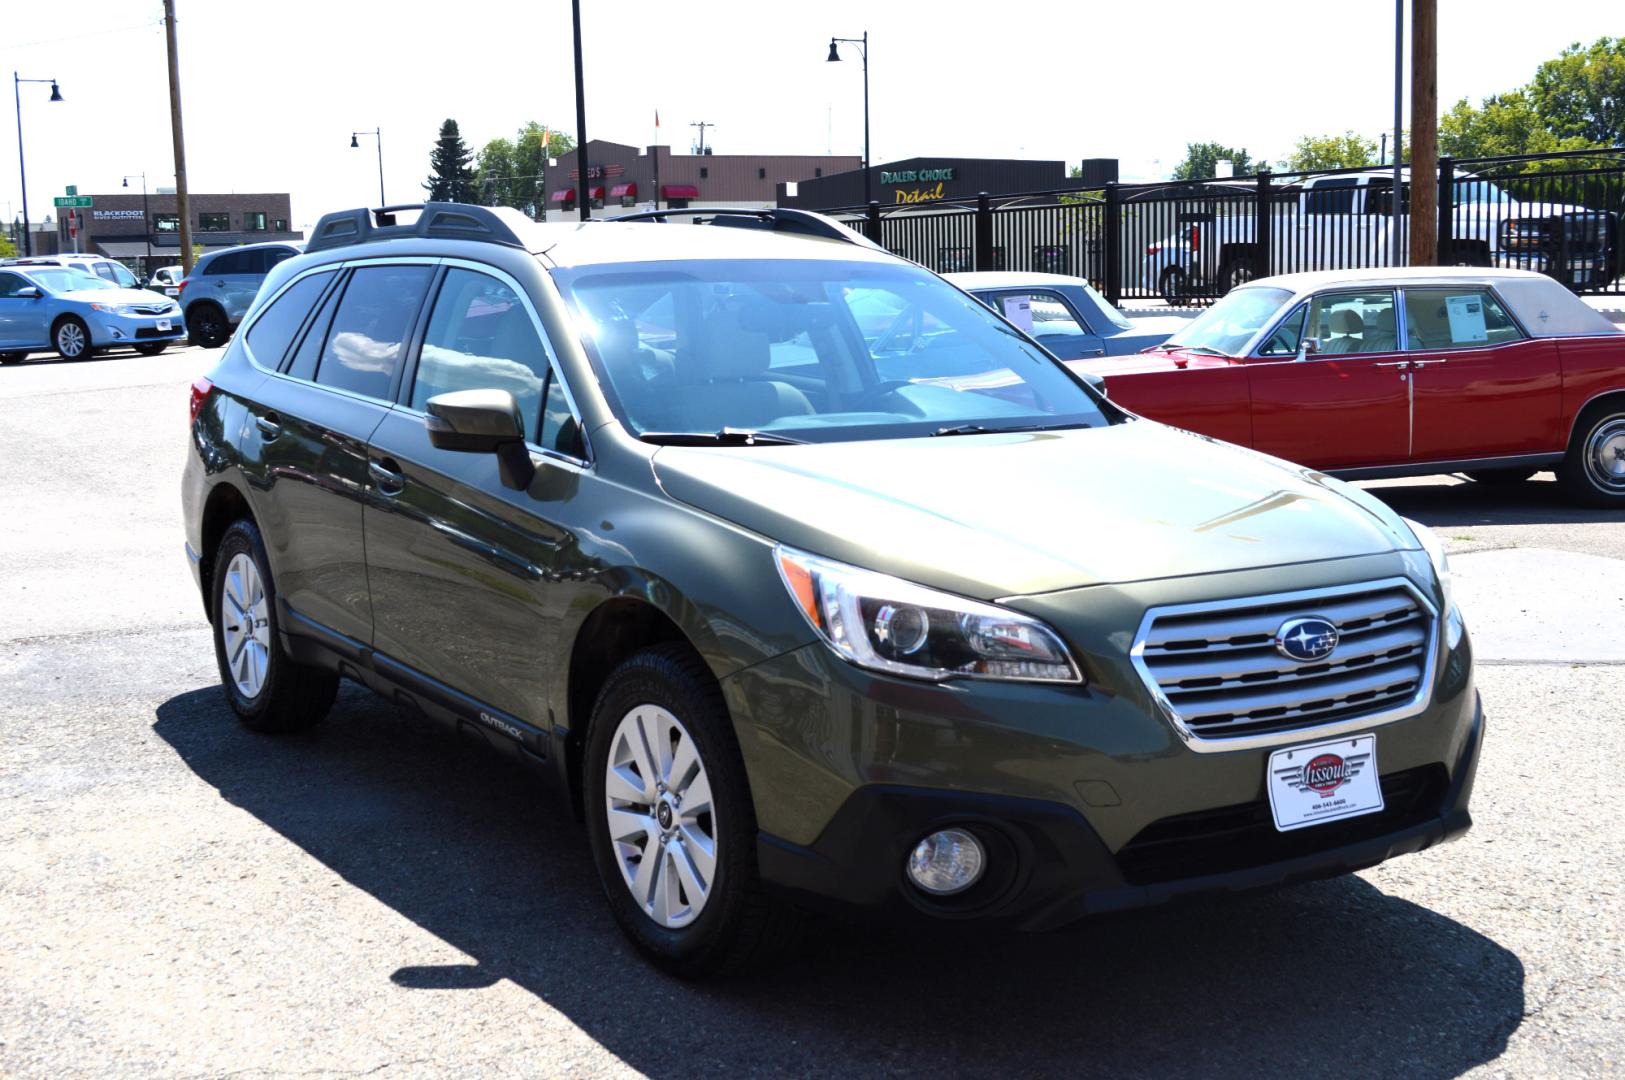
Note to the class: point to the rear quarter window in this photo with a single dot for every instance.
(274, 330)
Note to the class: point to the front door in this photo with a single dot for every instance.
(13, 311)
(1483, 387)
(459, 565)
(1343, 399)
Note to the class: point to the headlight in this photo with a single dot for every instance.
(114, 309)
(1454, 624)
(887, 624)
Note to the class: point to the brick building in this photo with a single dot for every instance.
(115, 225)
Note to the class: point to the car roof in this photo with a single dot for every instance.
(1542, 304)
(971, 280)
(597, 242)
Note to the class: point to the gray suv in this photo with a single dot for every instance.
(642, 507)
(217, 293)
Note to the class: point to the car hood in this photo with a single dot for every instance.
(1000, 515)
(117, 296)
(1140, 363)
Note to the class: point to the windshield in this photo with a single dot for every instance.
(62, 279)
(1479, 191)
(1117, 318)
(1227, 326)
(813, 350)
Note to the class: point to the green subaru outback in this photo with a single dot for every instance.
(811, 581)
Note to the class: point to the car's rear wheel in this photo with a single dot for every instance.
(1234, 274)
(264, 686)
(670, 820)
(1593, 471)
(1500, 476)
(1171, 287)
(208, 326)
(71, 338)
(152, 348)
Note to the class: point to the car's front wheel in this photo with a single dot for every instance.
(264, 686)
(1234, 274)
(71, 338)
(1593, 470)
(208, 325)
(1171, 286)
(670, 821)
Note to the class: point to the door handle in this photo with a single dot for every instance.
(1425, 363)
(1092, 352)
(1400, 364)
(389, 480)
(268, 426)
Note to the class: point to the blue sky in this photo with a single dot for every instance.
(272, 91)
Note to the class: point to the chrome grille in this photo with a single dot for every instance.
(152, 309)
(1217, 672)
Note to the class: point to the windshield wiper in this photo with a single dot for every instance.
(982, 429)
(728, 436)
(1210, 350)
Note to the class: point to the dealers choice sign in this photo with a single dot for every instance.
(927, 183)
(115, 215)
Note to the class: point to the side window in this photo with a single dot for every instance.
(273, 331)
(1047, 317)
(560, 430)
(309, 350)
(369, 328)
(105, 270)
(1331, 197)
(1450, 318)
(9, 284)
(480, 337)
(270, 257)
(229, 262)
(1354, 322)
(1287, 337)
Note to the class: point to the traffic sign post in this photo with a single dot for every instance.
(76, 202)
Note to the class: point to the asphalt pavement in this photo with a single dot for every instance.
(180, 897)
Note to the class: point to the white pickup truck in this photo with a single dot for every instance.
(1346, 221)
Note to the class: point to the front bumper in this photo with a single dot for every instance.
(137, 329)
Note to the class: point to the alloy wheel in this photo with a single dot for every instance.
(662, 823)
(245, 625)
(70, 340)
(1605, 455)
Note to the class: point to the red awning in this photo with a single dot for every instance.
(596, 193)
(567, 195)
(679, 191)
(620, 191)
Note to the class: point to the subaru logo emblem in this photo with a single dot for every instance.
(1306, 640)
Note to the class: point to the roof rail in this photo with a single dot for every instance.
(777, 219)
(436, 221)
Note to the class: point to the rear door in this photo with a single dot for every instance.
(459, 565)
(1484, 388)
(1347, 405)
(306, 436)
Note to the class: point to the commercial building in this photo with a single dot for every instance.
(622, 178)
(926, 180)
(144, 238)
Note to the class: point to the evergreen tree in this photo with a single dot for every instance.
(451, 178)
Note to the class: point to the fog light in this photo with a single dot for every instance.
(946, 862)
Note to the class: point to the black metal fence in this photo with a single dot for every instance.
(1192, 241)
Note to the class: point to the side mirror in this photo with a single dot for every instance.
(1097, 383)
(483, 422)
(28, 292)
(1308, 347)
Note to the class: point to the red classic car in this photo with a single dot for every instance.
(1398, 372)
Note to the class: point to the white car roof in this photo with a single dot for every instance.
(1541, 304)
(970, 280)
(585, 243)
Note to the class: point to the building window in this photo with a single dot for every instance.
(705, 174)
(281, 224)
(253, 220)
(214, 222)
(818, 172)
(166, 223)
(761, 174)
(677, 204)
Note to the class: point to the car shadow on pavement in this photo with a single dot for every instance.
(1438, 503)
(1332, 975)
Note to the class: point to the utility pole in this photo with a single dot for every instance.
(582, 182)
(1424, 133)
(182, 203)
(702, 125)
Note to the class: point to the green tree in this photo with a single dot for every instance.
(1581, 94)
(508, 172)
(451, 179)
(1200, 158)
(8, 249)
(493, 173)
(1505, 123)
(1345, 151)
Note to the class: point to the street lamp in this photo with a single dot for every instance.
(146, 224)
(378, 134)
(834, 56)
(22, 168)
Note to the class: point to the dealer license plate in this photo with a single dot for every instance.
(163, 324)
(1325, 781)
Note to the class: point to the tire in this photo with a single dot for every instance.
(1593, 470)
(1171, 286)
(152, 349)
(1235, 273)
(207, 325)
(733, 926)
(12, 357)
(1501, 477)
(71, 337)
(267, 690)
